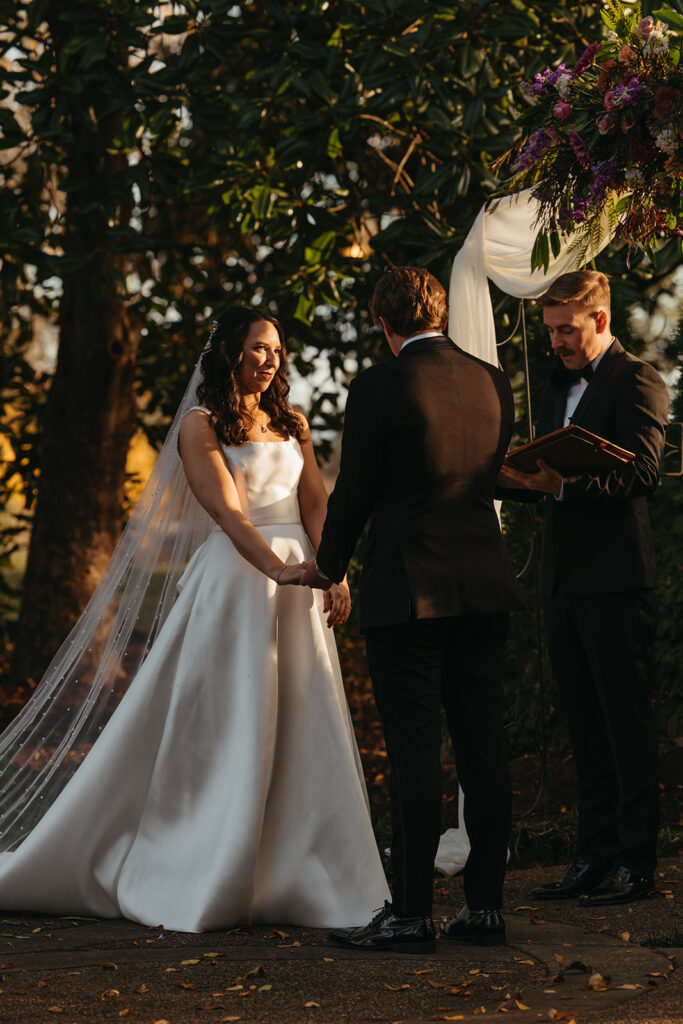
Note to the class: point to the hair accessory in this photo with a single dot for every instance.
(214, 328)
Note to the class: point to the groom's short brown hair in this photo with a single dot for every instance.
(410, 299)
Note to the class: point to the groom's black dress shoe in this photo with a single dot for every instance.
(388, 932)
(581, 877)
(620, 886)
(476, 927)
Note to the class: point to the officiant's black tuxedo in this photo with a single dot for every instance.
(424, 437)
(598, 583)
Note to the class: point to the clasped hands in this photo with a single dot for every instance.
(336, 600)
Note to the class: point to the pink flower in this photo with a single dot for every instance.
(562, 111)
(627, 55)
(605, 123)
(604, 76)
(609, 102)
(645, 27)
(667, 101)
(580, 149)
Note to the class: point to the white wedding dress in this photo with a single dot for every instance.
(227, 787)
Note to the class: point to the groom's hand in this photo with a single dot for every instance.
(311, 578)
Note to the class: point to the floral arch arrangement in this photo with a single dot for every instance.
(605, 138)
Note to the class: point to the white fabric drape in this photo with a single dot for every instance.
(499, 247)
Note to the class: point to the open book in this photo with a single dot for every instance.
(572, 451)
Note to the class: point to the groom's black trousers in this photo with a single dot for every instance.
(417, 668)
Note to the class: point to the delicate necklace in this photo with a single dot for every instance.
(264, 428)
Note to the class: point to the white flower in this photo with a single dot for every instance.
(563, 86)
(656, 44)
(667, 140)
(634, 176)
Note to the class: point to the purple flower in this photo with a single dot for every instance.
(603, 172)
(533, 150)
(580, 148)
(545, 81)
(626, 94)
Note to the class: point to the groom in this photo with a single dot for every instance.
(424, 437)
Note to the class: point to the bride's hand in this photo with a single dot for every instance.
(290, 575)
(337, 602)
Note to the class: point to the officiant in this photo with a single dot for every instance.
(598, 585)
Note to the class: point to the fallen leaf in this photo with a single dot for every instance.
(625, 936)
(457, 1016)
(520, 1005)
(254, 971)
(36, 930)
(479, 1011)
(210, 954)
(549, 991)
(655, 974)
(328, 959)
(109, 966)
(425, 970)
(264, 988)
(597, 983)
(283, 935)
(310, 1004)
(55, 1009)
(186, 963)
(520, 961)
(559, 1015)
(110, 993)
(42, 984)
(234, 988)
(167, 971)
(3, 966)
(123, 1013)
(230, 1018)
(629, 986)
(162, 1020)
(188, 985)
(475, 970)
(438, 984)
(141, 988)
(524, 908)
(396, 988)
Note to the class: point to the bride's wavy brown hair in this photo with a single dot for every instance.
(219, 390)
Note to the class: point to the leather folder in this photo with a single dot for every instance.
(572, 451)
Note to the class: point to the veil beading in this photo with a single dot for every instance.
(93, 668)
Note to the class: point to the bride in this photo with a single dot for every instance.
(188, 759)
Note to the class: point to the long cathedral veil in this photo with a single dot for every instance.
(91, 671)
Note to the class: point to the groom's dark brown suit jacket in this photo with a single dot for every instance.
(424, 438)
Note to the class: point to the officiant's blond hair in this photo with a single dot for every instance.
(588, 287)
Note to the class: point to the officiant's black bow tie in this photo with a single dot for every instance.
(565, 378)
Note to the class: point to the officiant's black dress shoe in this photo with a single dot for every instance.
(389, 933)
(620, 886)
(581, 877)
(475, 927)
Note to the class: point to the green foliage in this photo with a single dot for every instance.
(273, 153)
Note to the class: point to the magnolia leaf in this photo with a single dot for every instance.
(672, 18)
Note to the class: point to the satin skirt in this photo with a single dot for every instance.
(227, 787)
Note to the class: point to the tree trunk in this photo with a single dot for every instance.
(90, 411)
(89, 418)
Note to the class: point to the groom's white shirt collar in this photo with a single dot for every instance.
(424, 334)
